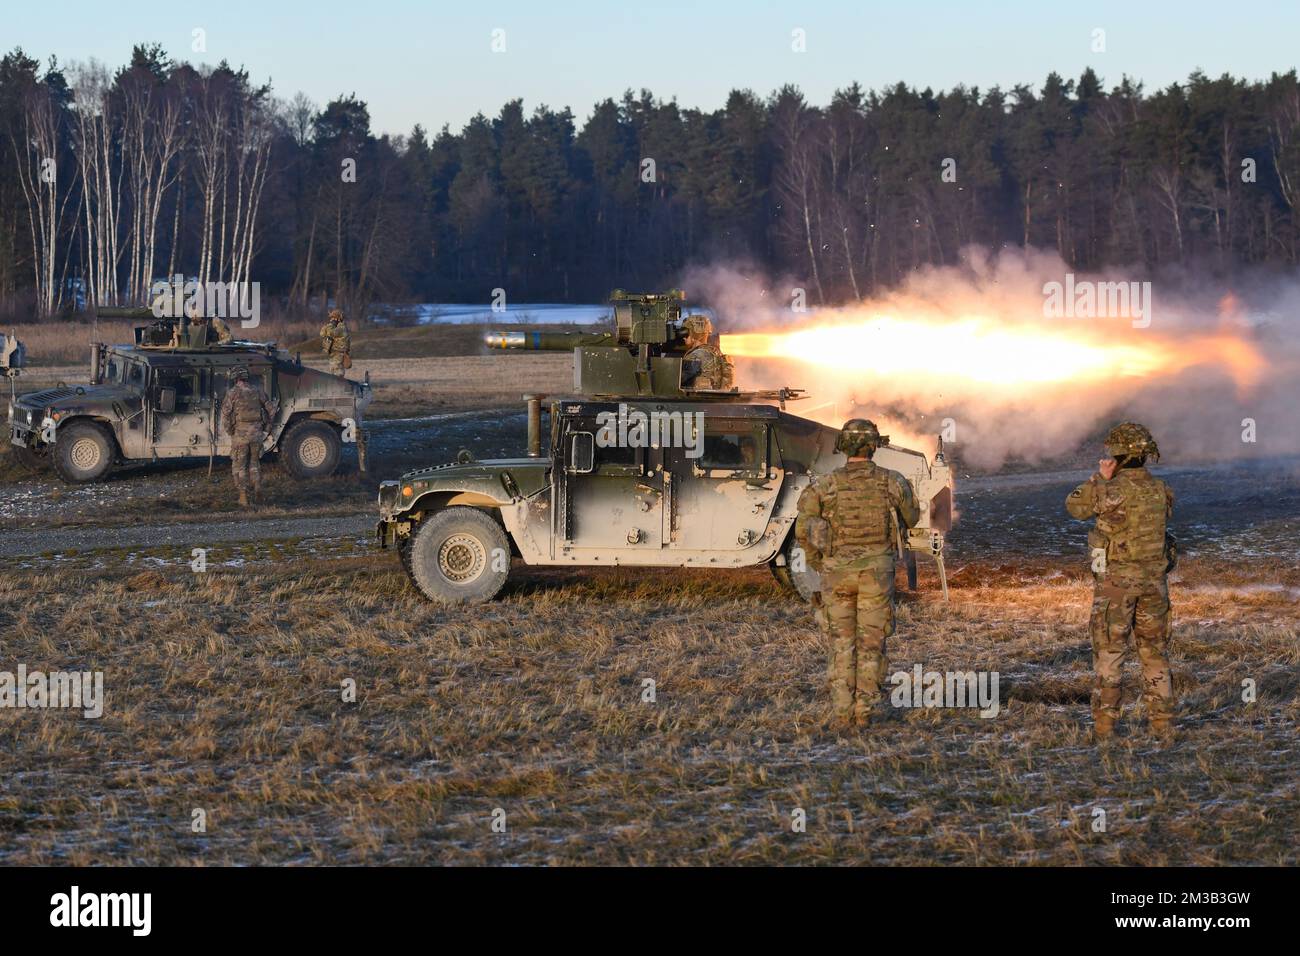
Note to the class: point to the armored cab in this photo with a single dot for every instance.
(640, 471)
(159, 397)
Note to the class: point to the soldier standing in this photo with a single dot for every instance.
(245, 413)
(704, 365)
(1132, 554)
(336, 342)
(845, 528)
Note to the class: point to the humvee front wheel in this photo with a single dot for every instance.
(83, 452)
(458, 556)
(311, 449)
(32, 459)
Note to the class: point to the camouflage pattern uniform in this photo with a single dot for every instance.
(1132, 554)
(222, 330)
(244, 416)
(845, 526)
(704, 365)
(335, 341)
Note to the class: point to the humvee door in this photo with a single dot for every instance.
(180, 409)
(611, 494)
(723, 497)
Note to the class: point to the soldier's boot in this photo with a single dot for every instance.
(1161, 726)
(866, 696)
(1105, 711)
(243, 498)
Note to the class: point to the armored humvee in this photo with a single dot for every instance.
(641, 471)
(158, 398)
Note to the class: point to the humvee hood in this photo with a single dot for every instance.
(500, 479)
(77, 396)
(522, 469)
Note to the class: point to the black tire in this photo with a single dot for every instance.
(311, 449)
(453, 557)
(32, 459)
(804, 583)
(404, 555)
(83, 452)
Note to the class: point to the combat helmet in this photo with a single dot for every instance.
(697, 323)
(859, 438)
(239, 374)
(336, 315)
(1129, 440)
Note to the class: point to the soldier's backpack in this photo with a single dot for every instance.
(859, 509)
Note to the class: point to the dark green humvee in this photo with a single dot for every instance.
(158, 398)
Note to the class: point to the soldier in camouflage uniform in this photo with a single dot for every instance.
(222, 331)
(1132, 554)
(336, 342)
(845, 527)
(245, 414)
(704, 365)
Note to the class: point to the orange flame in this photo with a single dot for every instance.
(998, 356)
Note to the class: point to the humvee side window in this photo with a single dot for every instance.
(135, 374)
(184, 381)
(114, 373)
(582, 452)
(733, 451)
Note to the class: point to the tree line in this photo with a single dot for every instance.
(114, 179)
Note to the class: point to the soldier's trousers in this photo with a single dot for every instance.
(246, 460)
(859, 614)
(336, 364)
(1135, 605)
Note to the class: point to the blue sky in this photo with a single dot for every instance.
(432, 62)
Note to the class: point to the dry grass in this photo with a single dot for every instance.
(223, 693)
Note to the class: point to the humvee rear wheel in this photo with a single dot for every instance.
(458, 556)
(311, 449)
(83, 452)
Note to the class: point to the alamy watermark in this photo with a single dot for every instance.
(1085, 299)
(41, 690)
(921, 688)
(633, 428)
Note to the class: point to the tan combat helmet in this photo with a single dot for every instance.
(239, 374)
(1129, 440)
(859, 438)
(698, 325)
(336, 315)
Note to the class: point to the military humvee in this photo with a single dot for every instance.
(641, 472)
(159, 397)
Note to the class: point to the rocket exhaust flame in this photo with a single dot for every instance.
(977, 352)
(994, 356)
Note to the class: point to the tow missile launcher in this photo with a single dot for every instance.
(640, 470)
